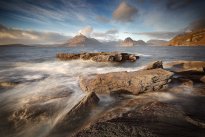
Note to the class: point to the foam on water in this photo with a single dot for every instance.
(41, 79)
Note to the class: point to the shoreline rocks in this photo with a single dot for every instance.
(99, 56)
(126, 82)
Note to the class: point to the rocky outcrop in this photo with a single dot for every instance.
(81, 40)
(126, 82)
(146, 118)
(154, 65)
(99, 57)
(194, 38)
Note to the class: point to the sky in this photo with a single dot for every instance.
(55, 21)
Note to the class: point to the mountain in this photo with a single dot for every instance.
(128, 42)
(194, 38)
(81, 40)
(156, 42)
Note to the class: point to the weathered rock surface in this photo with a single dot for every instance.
(154, 65)
(183, 66)
(89, 100)
(7, 84)
(126, 82)
(73, 118)
(145, 118)
(99, 57)
(39, 108)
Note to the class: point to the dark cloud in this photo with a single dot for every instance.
(177, 4)
(13, 36)
(125, 12)
(157, 35)
(196, 25)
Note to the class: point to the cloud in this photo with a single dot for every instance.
(157, 35)
(103, 19)
(125, 13)
(86, 31)
(13, 36)
(109, 35)
(177, 4)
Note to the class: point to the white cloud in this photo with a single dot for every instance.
(86, 31)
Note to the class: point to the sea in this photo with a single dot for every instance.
(39, 74)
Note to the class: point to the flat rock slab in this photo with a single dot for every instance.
(126, 82)
(183, 66)
(99, 56)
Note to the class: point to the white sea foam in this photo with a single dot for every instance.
(46, 77)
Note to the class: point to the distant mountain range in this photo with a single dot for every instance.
(128, 42)
(194, 38)
(81, 40)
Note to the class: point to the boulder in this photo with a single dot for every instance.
(126, 82)
(154, 65)
(99, 56)
(203, 79)
(88, 101)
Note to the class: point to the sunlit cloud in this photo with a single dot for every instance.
(124, 12)
(13, 36)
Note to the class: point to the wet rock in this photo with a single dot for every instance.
(186, 66)
(67, 56)
(99, 56)
(39, 108)
(76, 115)
(88, 101)
(126, 82)
(8, 84)
(146, 119)
(202, 79)
(154, 65)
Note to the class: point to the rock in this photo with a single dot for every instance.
(88, 101)
(67, 56)
(8, 84)
(184, 66)
(154, 65)
(130, 82)
(73, 118)
(202, 79)
(144, 119)
(99, 56)
(39, 107)
(103, 58)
